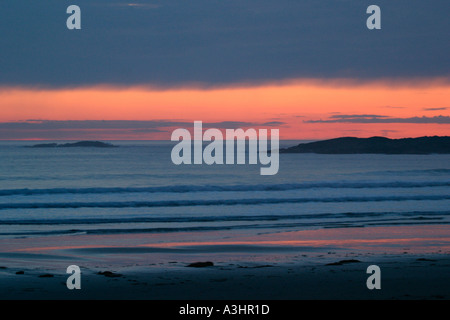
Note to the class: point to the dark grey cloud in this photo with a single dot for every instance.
(357, 116)
(434, 109)
(215, 42)
(274, 123)
(88, 124)
(137, 5)
(383, 119)
(123, 124)
(68, 129)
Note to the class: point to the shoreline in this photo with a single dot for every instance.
(320, 264)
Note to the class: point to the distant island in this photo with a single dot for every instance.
(94, 144)
(380, 145)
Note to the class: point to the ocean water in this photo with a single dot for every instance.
(136, 188)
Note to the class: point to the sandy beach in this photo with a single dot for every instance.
(300, 265)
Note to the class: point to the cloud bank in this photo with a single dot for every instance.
(68, 129)
(381, 119)
(179, 42)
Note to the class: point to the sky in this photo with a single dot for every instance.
(139, 69)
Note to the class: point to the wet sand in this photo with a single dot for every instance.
(300, 265)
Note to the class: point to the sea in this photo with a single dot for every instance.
(136, 188)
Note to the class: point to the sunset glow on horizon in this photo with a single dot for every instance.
(302, 109)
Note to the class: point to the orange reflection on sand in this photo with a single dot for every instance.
(389, 239)
(423, 238)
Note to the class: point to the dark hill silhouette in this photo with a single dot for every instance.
(350, 145)
(95, 144)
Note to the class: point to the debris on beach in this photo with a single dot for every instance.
(109, 274)
(425, 259)
(200, 264)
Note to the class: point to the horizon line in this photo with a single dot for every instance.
(168, 140)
